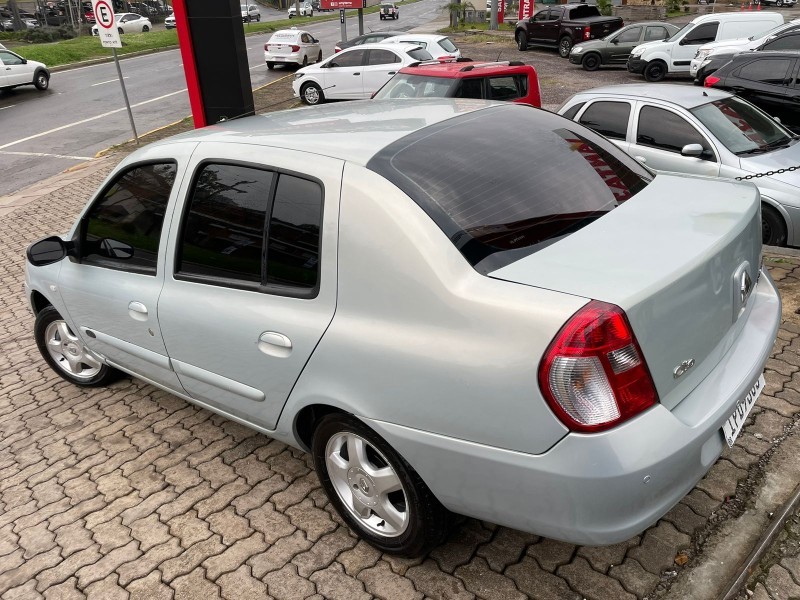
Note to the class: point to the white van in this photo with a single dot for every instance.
(657, 59)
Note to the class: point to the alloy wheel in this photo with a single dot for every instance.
(69, 353)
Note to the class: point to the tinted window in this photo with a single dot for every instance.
(382, 57)
(294, 240)
(130, 211)
(787, 42)
(767, 70)
(404, 85)
(420, 54)
(469, 88)
(353, 58)
(664, 129)
(655, 33)
(702, 34)
(565, 177)
(447, 45)
(503, 88)
(9, 58)
(541, 15)
(572, 111)
(631, 35)
(608, 118)
(223, 231)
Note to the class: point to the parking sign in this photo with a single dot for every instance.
(106, 29)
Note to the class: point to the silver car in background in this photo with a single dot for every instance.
(566, 351)
(699, 131)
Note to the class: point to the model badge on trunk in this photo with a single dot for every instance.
(682, 368)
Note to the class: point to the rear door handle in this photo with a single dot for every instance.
(391, 72)
(275, 344)
(137, 311)
(356, 73)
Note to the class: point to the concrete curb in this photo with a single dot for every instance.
(107, 59)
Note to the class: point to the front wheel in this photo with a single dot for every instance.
(376, 492)
(119, 30)
(773, 228)
(66, 353)
(564, 47)
(312, 94)
(41, 80)
(145, 29)
(522, 40)
(591, 62)
(655, 71)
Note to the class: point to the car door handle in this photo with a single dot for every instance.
(275, 344)
(356, 73)
(137, 311)
(391, 72)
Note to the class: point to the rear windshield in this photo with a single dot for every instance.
(498, 202)
(420, 54)
(404, 85)
(448, 45)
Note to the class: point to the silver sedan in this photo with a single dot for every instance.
(566, 351)
(698, 131)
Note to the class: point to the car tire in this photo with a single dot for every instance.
(381, 17)
(58, 345)
(145, 29)
(407, 520)
(564, 47)
(779, 3)
(773, 227)
(258, 18)
(319, 56)
(655, 71)
(591, 62)
(522, 41)
(270, 65)
(305, 61)
(41, 80)
(311, 94)
(119, 30)
(291, 16)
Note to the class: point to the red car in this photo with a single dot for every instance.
(509, 81)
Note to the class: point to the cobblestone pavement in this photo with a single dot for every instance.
(129, 492)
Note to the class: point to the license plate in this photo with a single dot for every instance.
(733, 426)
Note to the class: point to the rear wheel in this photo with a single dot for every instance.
(564, 47)
(319, 56)
(145, 29)
(258, 18)
(522, 40)
(591, 62)
(312, 94)
(655, 71)
(41, 80)
(773, 228)
(376, 492)
(119, 30)
(305, 60)
(270, 65)
(778, 3)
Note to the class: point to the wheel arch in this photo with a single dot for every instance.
(39, 302)
(306, 419)
(787, 221)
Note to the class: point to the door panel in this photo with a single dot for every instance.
(381, 66)
(238, 343)
(14, 70)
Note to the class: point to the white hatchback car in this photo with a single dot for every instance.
(292, 46)
(306, 10)
(18, 71)
(129, 23)
(355, 73)
(250, 12)
(440, 46)
(565, 352)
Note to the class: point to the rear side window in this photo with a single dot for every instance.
(420, 54)
(128, 217)
(354, 58)
(663, 129)
(608, 118)
(565, 177)
(631, 35)
(772, 71)
(382, 57)
(787, 42)
(573, 110)
(503, 88)
(469, 88)
(448, 45)
(655, 32)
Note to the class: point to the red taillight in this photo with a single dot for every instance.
(266, 47)
(445, 57)
(587, 33)
(336, 49)
(295, 48)
(593, 374)
(711, 80)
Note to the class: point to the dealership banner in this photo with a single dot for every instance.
(525, 9)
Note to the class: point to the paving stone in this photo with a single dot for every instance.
(479, 579)
(107, 589)
(286, 584)
(460, 546)
(287, 465)
(780, 584)
(550, 554)
(769, 424)
(234, 556)
(700, 502)
(195, 585)
(259, 495)
(35, 540)
(313, 521)
(108, 563)
(506, 547)
(189, 529)
(189, 560)
(436, 584)
(295, 492)
(185, 501)
(684, 519)
(23, 573)
(148, 561)
(113, 486)
(659, 546)
(279, 554)
(602, 558)
(221, 498)
(110, 511)
(26, 591)
(111, 534)
(73, 537)
(634, 578)
(398, 564)
(591, 584)
(272, 524)
(241, 585)
(721, 480)
(66, 568)
(361, 556)
(65, 591)
(150, 588)
(323, 553)
(147, 481)
(182, 477)
(537, 583)
(217, 473)
(229, 525)
(147, 506)
(333, 584)
(8, 540)
(149, 532)
(252, 469)
(47, 492)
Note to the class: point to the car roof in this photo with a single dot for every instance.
(322, 129)
(291, 31)
(381, 46)
(687, 96)
(461, 69)
(768, 54)
(420, 36)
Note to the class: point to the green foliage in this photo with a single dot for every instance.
(46, 35)
(458, 11)
(604, 6)
(674, 5)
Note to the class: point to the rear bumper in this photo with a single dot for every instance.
(636, 65)
(602, 488)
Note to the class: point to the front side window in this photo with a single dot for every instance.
(354, 58)
(665, 130)
(382, 57)
(608, 118)
(541, 15)
(702, 34)
(9, 58)
(573, 110)
(787, 42)
(630, 36)
(123, 228)
(770, 71)
(503, 88)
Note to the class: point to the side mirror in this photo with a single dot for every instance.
(777, 119)
(48, 251)
(116, 249)
(692, 150)
(24, 61)
(615, 41)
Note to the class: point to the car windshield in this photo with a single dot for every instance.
(448, 45)
(564, 178)
(404, 85)
(741, 127)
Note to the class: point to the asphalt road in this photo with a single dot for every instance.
(83, 112)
